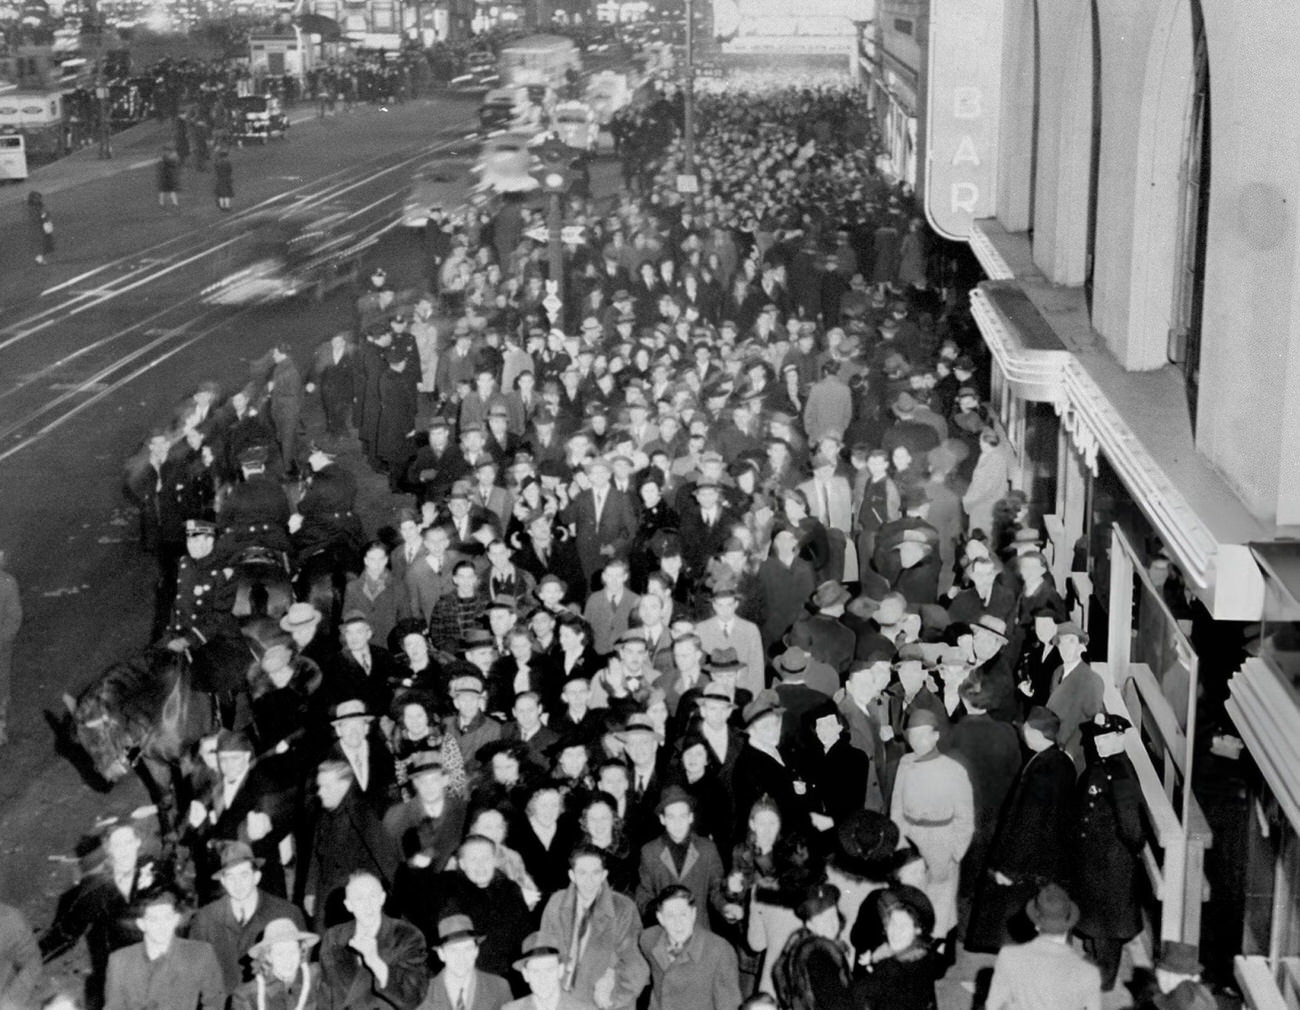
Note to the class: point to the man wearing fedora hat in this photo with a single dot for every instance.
(914, 501)
(542, 968)
(1077, 692)
(764, 767)
(461, 985)
(1047, 973)
(245, 803)
(357, 743)
(803, 704)
(601, 520)
(680, 856)
(727, 630)
(233, 923)
(822, 633)
(1178, 980)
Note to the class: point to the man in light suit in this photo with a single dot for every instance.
(163, 970)
(373, 962)
(597, 929)
(724, 630)
(601, 520)
(610, 611)
(460, 985)
(541, 968)
(1077, 692)
(1046, 973)
(830, 499)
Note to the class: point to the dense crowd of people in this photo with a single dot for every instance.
(709, 658)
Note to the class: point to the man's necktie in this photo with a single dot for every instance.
(460, 1000)
(826, 504)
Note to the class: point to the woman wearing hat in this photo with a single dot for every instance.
(901, 971)
(282, 977)
(812, 971)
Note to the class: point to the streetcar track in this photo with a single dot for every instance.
(111, 388)
(81, 301)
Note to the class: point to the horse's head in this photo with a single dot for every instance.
(101, 735)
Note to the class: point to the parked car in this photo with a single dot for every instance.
(258, 117)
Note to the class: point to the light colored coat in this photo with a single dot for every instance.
(933, 805)
(747, 640)
(610, 945)
(704, 976)
(1043, 974)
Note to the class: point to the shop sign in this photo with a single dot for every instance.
(965, 98)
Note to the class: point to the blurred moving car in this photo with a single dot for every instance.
(506, 164)
(309, 252)
(441, 183)
(509, 109)
(258, 117)
(575, 124)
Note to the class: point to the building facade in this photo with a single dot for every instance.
(1127, 176)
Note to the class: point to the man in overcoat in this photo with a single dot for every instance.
(374, 962)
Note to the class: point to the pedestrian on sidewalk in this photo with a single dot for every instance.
(11, 619)
(41, 227)
(224, 173)
(169, 177)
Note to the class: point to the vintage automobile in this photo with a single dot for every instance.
(299, 253)
(257, 117)
(441, 183)
(509, 109)
(575, 124)
(506, 163)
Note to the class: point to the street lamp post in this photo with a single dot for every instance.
(688, 84)
(105, 126)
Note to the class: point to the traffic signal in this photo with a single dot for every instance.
(553, 171)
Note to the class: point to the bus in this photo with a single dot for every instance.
(540, 59)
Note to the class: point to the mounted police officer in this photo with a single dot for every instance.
(205, 592)
(256, 511)
(325, 518)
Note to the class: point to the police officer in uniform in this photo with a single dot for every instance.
(325, 519)
(1109, 841)
(256, 512)
(205, 593)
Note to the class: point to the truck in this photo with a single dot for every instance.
(551, 60)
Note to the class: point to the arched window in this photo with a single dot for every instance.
(1194, 207)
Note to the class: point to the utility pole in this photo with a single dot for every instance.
(688, 85)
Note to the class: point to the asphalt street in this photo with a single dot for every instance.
(98, 347)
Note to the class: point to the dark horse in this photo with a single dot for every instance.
(145, 713)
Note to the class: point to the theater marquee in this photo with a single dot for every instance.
(965, 100)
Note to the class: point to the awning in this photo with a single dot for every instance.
(317, 24)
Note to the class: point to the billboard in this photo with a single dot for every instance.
(965, 100)
(773, 25)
